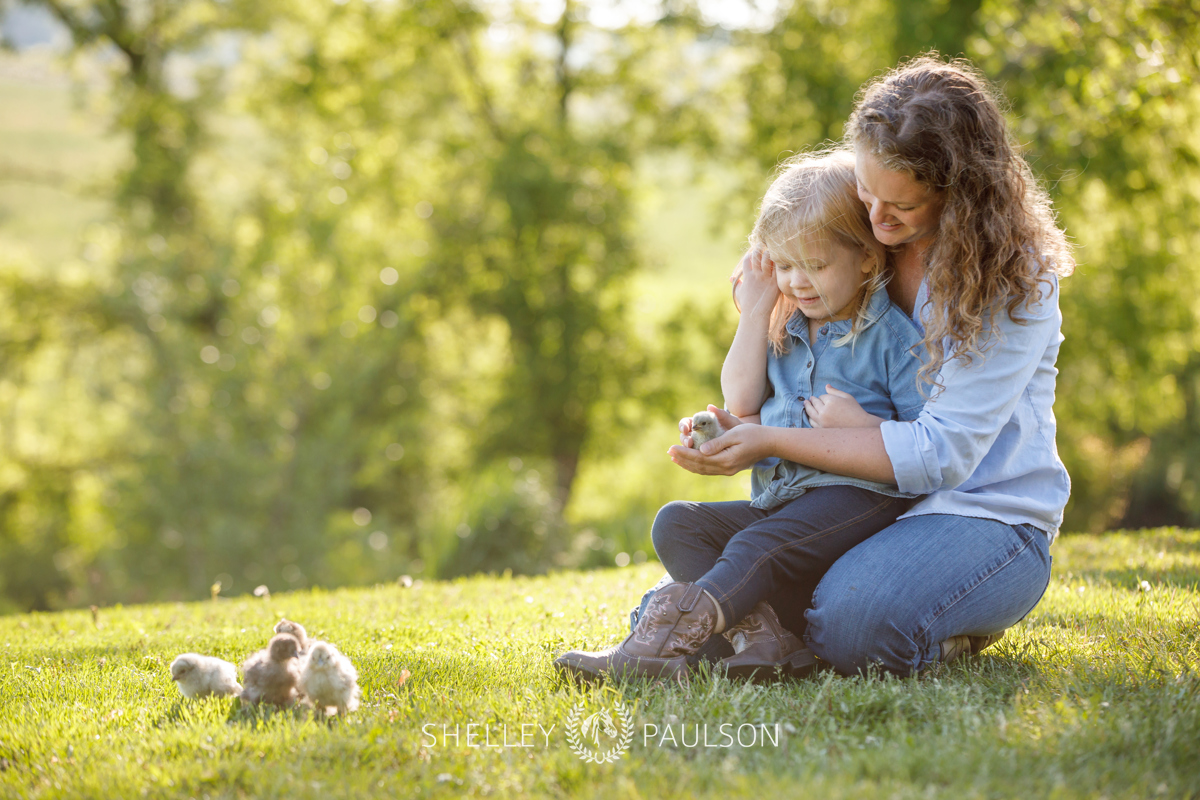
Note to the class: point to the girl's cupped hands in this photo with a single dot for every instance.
(739, 447)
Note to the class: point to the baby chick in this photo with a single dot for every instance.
(329, 679)
(271, 675)
(201, 676)
(297, 630)
(705, 428)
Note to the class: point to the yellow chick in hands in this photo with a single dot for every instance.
(705, 428)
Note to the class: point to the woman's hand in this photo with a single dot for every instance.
(838, 410)
(739, 447)
(754, 285)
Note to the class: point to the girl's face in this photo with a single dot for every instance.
(821, 277)
(902, 210)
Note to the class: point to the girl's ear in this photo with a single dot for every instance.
(869, 262)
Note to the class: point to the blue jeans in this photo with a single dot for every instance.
(894, 598)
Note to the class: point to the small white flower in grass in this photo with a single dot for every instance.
(1144, 586)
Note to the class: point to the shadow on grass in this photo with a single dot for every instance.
(256, 715)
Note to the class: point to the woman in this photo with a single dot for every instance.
(976, 256)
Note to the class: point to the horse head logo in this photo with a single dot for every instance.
(616, 727)
(595, 723)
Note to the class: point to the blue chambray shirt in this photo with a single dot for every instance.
(984, 446)
(879, 370)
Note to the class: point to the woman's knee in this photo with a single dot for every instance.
(854, 631)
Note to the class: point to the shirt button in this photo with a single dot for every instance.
(800, 397)
(809, 364)
(824, 329)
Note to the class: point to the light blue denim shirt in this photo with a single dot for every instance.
(879, 369)
(984, 446)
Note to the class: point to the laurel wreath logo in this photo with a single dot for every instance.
(579, 727)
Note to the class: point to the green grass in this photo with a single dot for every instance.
(1096, 694)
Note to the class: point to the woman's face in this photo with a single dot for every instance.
(902, 210)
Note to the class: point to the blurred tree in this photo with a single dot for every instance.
(252, 436)
(428, 259)
(118, 318)
(1107, 96)
(541, 233)
(524, 132)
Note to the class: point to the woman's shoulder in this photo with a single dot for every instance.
(893, 323)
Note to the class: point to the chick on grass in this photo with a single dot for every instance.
(297, 630)
(705, 427)
(329, 680)
(201, 676)
(272, 675)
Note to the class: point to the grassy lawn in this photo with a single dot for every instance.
(1096, 694)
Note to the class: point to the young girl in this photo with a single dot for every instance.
(816, 329)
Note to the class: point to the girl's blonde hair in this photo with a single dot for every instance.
(816, 194)
(941, 123)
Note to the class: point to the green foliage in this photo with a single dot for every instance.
(508, 521)
(346, 281)
(1096, 692)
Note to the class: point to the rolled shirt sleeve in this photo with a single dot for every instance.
(944, 446)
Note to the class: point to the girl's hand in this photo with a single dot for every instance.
(739, 447)
(754, 284)
(685, 431)
(838, 410)
(726, 419)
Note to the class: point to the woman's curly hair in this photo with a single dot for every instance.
(998, 239)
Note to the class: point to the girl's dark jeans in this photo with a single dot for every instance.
(741, 554)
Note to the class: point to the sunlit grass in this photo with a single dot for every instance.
(1096, 694)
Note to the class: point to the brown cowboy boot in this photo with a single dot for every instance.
(764, 649)
(678, 620)
(957, 646)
